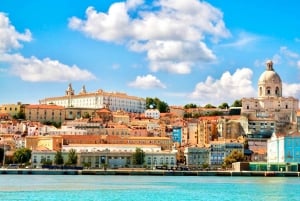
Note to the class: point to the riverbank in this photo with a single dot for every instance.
(148, 172)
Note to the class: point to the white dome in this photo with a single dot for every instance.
(269, 77)
(269, 83)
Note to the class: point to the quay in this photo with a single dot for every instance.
(143, 172)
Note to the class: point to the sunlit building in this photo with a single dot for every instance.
(115, 101)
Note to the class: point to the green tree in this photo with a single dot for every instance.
(209, 106)
(86, 115)
(72, 157)
(22, 155)
(139, 157)
(1, 154)
(19, 115)
(190, 105)
(58, 158)
(234, 156)
(45, 161)
(157, 103)
(224, 106)
(237, 103)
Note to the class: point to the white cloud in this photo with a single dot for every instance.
(33, 69)
(288, 53)
(172, 32)
(227, 89)
(9, 37)
(242, 40)
(131, 4)
(291, 90)
(46, 70)
(147, 82)
(113, 26)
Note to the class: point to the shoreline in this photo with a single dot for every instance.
(136, 172)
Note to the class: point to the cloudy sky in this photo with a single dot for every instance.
(182, 52)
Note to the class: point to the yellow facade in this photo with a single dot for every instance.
(44, 142)
(12, 109)
(45, 113)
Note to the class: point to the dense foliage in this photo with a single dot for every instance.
(72, 157)
(1, 154)
(237, 103)
(19, 115)
(234, 156)
(224, 106)
(209, 106)
(158, 104)
(190, 105)
(139, 157)
(22, 155)
(58, 158)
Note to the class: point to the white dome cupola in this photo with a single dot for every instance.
(269, 83)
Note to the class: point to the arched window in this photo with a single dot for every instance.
(260, 91)
(268, 91)
(277, 91)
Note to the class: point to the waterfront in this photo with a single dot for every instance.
(107, 187)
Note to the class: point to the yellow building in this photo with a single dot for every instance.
(12, 109)
(44, 142)
(45, 113)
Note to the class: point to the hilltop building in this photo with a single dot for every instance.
(114, 101)
(269, 113)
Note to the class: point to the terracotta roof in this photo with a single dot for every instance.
(42, 106)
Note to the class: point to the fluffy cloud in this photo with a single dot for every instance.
(147, 82)
(291, 90)
(227, 89)
(46, 70)
(173, 33)
(33, 69)
(9, 37)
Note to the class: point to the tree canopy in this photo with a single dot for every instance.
(58, 158)
(234, 156)
(19, 115)
(22, 155)
(237, 103)
(157, 103)
(209, 106)
(139, 157)
(190, 105)
(224, 106)
(72, 157)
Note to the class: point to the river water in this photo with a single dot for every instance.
(144, 188)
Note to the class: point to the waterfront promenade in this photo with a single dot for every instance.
(143, 172)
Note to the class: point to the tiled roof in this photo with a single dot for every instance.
(42, 106)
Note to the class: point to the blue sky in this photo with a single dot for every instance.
(179, 51)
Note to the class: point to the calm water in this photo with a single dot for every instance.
(142, 188)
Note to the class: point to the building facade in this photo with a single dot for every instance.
(45, 113)
(115, 101)
(270, 104)
(284, 149)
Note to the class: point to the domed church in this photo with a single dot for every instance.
(270, 112)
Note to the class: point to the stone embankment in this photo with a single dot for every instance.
(148, 172)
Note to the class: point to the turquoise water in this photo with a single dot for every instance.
(143, 188)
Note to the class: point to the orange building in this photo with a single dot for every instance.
(44, 142)
(164, 142)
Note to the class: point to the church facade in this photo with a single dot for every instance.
(270, 111)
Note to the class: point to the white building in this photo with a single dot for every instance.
(100, 99)
(152, 113)
(284, 149)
